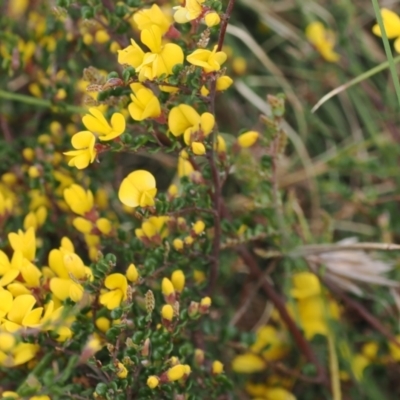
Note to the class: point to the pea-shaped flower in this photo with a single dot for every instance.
(208, 60)
(117, 285)
(84, 154)
(161, 59)
(391, 22)
(132, 55)
(184, 119)
(144, 103)
(145, 18)
(98, 124)
(138, 189)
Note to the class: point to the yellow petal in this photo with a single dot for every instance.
(118, 122)
(21, 306)
(111, 299)
(248, 363)
(6, 300)
(32, 319)
(134, 185)
(60, 288)
(181, 118)
(207, 122)
(82, 139)
(391, 22)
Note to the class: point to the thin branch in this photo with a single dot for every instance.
(279, 303)
(361, 310)
(328, 248)
(217, 192)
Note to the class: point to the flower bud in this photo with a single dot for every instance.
(175, 373)
(198, 148)
(212, 19)
(199, 356)
(132, 273)
(146, 348)
(152, 381)
(167, 312)
(205, 305)
(178, 280)
(122, 371)
(168, 291)
(193, 309)
(247, 139)
(178, 244)
(198, 227)
(33, 172)
(217, 367)
(188, 240)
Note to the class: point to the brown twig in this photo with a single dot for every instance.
(361, 310)
(279, 303)
(217, 195)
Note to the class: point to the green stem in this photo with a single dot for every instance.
(40, 102)
(388, 50)
(26, 387)
(355, 81)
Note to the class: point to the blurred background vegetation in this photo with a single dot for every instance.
(339, 176)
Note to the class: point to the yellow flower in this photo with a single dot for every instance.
(117, 285)
(223, 83)
(122, 372)
(153, 228)
(79, 200)
(248, 363)
(167, 312)
(212, 19)
(19, 354)
(277, 393)
(144, 103)
(132, 55)
(313, 316)
(184, 119)
(103, 324)
(323, 40)
(217, 367)
(6, 204)
(97, 124)
(152, 381)
(192, 10)
(391, 22)
(178, 244)
(84, 154)
(25, 242)
(22, 313)
(35, 219)
(305, 284)
(161, 59)
(138, 189)
(394, 350)
(247, 139)
(198, 227)
(145, 18)
(175, 373)
(64, 263)
(274, 342)
(178, 280)
(208, 60)
(220, 145)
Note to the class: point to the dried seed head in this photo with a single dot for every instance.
(150, 301)
(204, 39)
